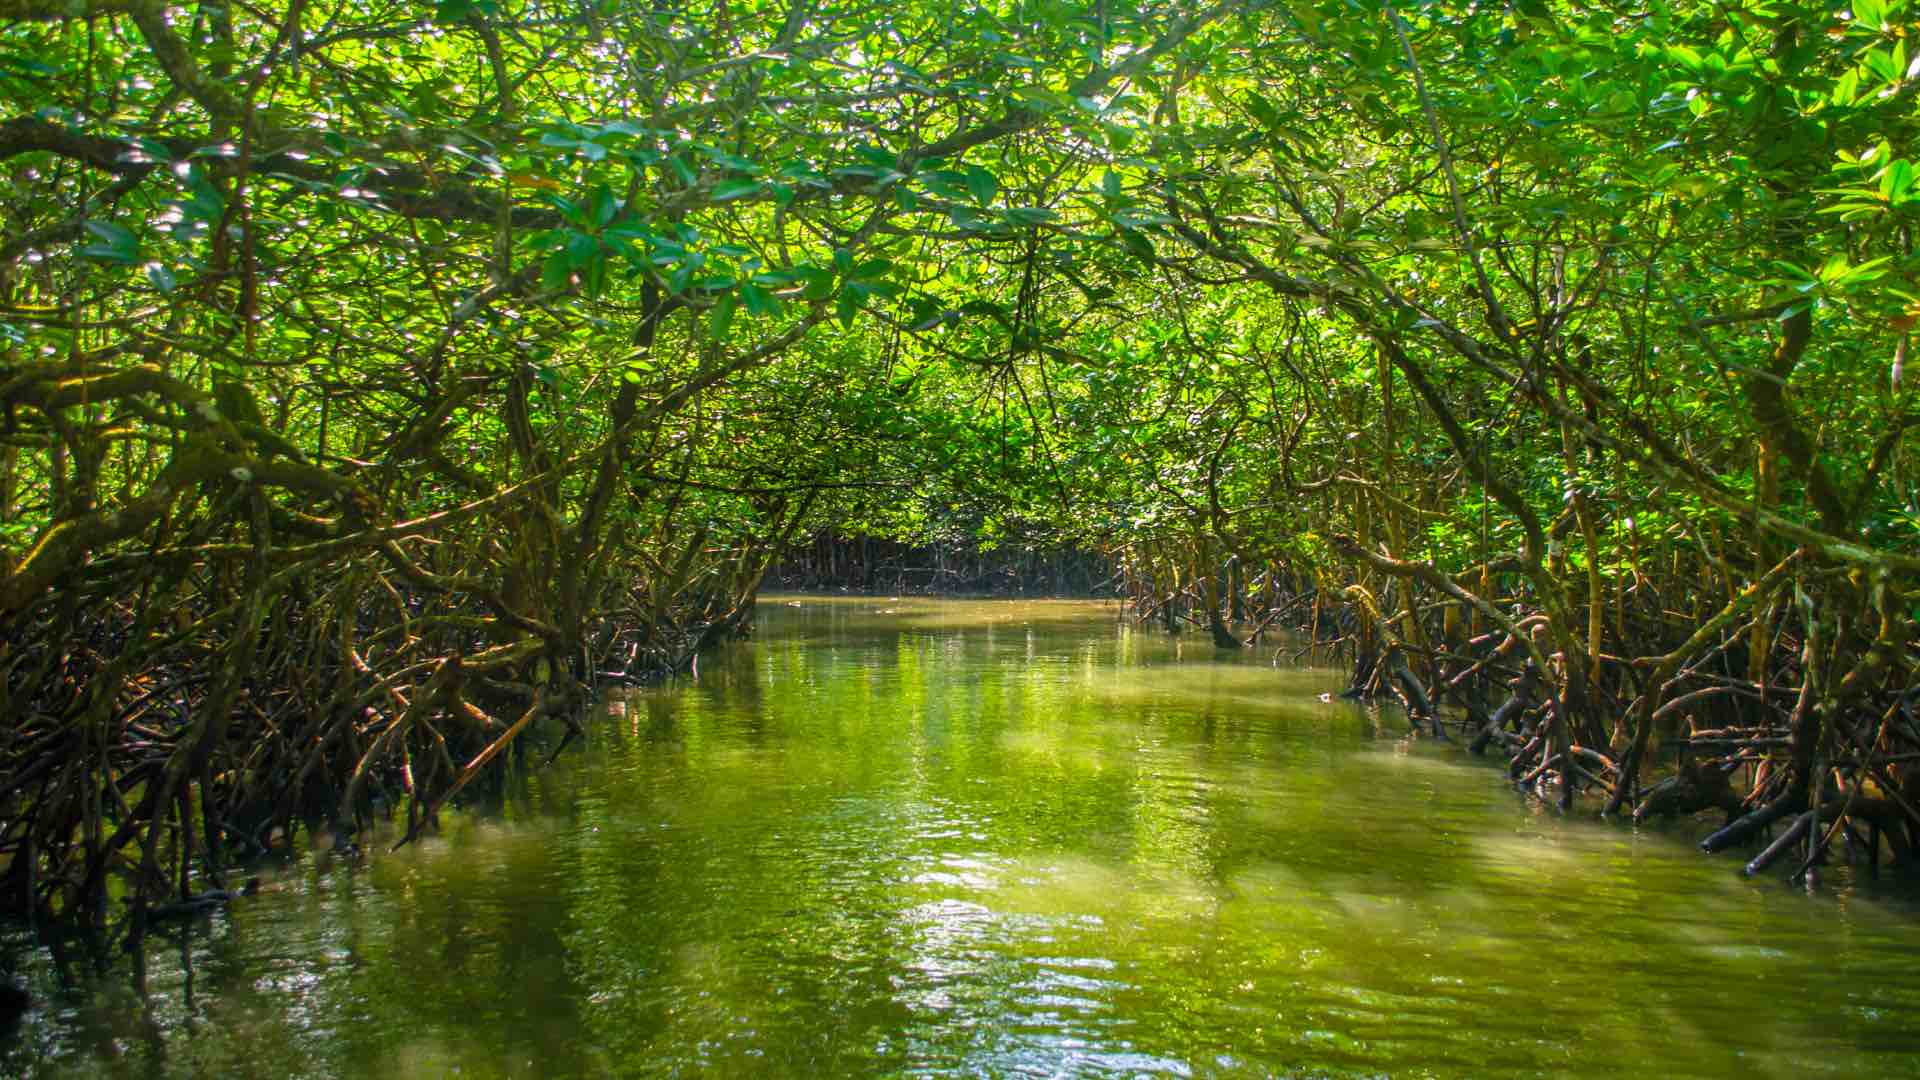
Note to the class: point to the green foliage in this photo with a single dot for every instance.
(617, 294)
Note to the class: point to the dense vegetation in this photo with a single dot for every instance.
(379, 376)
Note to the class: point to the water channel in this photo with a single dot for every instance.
(995, 838)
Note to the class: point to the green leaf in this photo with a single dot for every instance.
(819, 283)
(722, 316)
(581, 250)
(569, 209)
(205, 203)
(156, 150)
(1896, 180)
(731, 161)
(1880, 62)
(1845, 88)
(735, 189)
(1865, 272)
(110, 233)
(115, 243)
(945, 183)
(1031, 215)
(759, 301)
(967, 219)
(876, 176)
(603, 207)
(161, 278)
(1263, 110)
(982, 184)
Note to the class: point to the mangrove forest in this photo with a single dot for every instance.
(400, 399)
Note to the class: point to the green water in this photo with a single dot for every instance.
(1004, 839)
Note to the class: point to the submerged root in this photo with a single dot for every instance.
(147, 757)
(1832, 709)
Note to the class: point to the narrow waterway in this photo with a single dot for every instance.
(896, 837)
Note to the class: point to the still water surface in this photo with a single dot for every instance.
(912, 837)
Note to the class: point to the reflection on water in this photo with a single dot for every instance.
(1002, 839)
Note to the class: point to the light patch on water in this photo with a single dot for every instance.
(1071, 885)
(970, 875)
(423, 1056)
(1064, 884)
(1271, 884)
(1377, 914)
(1418, 756)
(1062, 746)
(1237, 688)
(1533, 855)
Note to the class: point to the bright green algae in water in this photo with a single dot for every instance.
(1005, 839)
